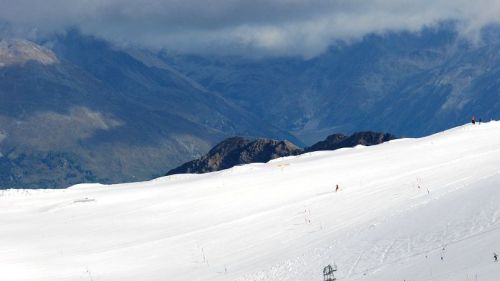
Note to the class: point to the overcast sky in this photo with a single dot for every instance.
(280, 27)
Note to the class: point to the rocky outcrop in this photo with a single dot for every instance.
(337, 141)
(236, 151)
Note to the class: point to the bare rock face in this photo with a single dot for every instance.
(18, 52)
(236, 151)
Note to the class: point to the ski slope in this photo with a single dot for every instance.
(401, 206)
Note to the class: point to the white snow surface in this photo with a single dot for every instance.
(401, 206)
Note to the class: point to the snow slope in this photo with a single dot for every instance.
(402, 206)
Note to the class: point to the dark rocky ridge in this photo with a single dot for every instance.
(337, 141)
(237, 151)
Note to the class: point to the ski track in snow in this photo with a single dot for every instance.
(354, 266)
(412, 209)
(386, 251)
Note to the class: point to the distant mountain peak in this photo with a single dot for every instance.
(17, 51)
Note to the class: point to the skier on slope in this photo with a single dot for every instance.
(495, 256)
(473, 120)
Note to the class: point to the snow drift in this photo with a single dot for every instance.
(410, 209)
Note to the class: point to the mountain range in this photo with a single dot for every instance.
(75, 108)
(408, 83)
(82, 111)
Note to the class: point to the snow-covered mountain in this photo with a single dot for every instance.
(409, 209)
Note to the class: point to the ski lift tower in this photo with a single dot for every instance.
(328, 273)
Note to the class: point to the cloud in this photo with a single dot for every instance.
(290, 27)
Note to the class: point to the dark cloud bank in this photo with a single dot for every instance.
(280, 27)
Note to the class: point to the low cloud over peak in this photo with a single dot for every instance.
(277, 27)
